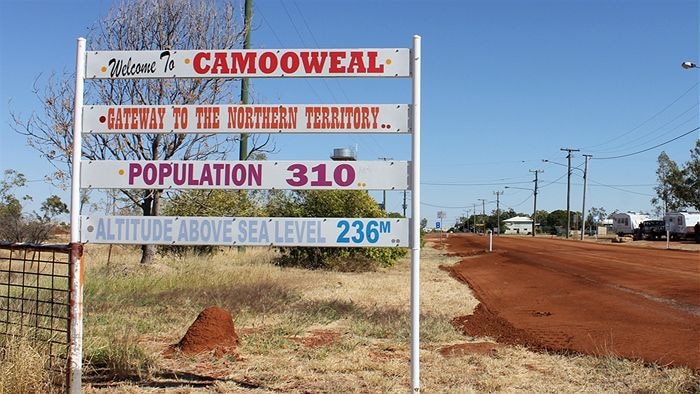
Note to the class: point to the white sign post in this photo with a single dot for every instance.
(247, 175)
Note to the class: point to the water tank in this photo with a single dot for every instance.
(343, 154)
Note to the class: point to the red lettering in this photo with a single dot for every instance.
(313, 62)
(373, 67)
(335, 67)
(197, 63)
(289, 62)
(220, 66)
(357, 63)
(267, 62)
(243, 62)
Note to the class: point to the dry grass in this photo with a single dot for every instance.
(358, 323)
(24, 368)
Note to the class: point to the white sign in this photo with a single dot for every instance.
(346, 118)
(260, 231)
(249, 175)
(383, 62)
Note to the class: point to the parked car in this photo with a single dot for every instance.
(651, 229)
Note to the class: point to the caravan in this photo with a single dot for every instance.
(681, 224)
(627, 223)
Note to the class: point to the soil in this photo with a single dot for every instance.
(640, 303)
(212, 331)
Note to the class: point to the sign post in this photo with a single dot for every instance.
(248, 175)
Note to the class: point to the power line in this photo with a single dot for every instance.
(647, 149)
(640, 139)
(589, 148)
(472, 184)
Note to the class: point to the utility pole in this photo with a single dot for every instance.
(243, 154)
(404, 203)
(583, 209)
(498, 212)
(474, 218)
(483, 213)
(384, 191)
(568, 189)
(534, 206)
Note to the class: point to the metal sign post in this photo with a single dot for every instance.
(75, 346)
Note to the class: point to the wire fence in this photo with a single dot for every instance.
(35, 297)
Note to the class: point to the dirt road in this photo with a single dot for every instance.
(565, 295)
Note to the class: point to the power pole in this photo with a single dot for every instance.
(534, 206)
(474, 218)
(483, 212)
(583, 209)
(384, 191)
(404, 203)
(568, 189)
(498, 212)
(243, 154)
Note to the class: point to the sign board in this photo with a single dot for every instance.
(249, 175)
(250, 231)
(385, 62)
(437, 225)
(296, 118)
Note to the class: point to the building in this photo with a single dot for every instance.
(518, 225)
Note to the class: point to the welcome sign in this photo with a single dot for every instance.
(248, 63)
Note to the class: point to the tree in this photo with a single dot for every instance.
(669, 178)
(557, 218)
(334, 204)
(689, 190)
(52, 207)
(142, 25)
(595, 215)
(15, 226)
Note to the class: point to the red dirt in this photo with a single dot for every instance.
(318, 338)
(572, 296)
(212, 331)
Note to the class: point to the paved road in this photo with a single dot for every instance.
(565, 295)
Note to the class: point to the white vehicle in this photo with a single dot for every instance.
(681, 224)
(626, 223)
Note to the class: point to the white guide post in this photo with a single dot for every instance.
(75, 350)
(415, 217)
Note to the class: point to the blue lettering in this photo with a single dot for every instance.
(264, 237)
(242, 231)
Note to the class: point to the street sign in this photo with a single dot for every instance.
(250, 231)
(249, 175)
(437, 224)
(384, 62)
(257, 118)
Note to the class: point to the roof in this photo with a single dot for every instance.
(519, 219)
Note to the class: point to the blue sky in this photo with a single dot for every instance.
(505, 85)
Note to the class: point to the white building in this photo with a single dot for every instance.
(518, 225)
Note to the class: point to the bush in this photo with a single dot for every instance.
(333, 204)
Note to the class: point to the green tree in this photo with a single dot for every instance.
(226, 203)
(669, 180)
(556, 219)
(52, 207)
(688, 190)
(15, 226)
(143, 25)
(333, 204)
(595, 215)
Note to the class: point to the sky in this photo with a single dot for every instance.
(505, 85)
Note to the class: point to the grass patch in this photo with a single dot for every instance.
(132, 313)
(24, 368)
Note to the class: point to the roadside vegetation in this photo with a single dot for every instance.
(305, 331)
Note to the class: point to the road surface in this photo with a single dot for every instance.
(566, 295)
